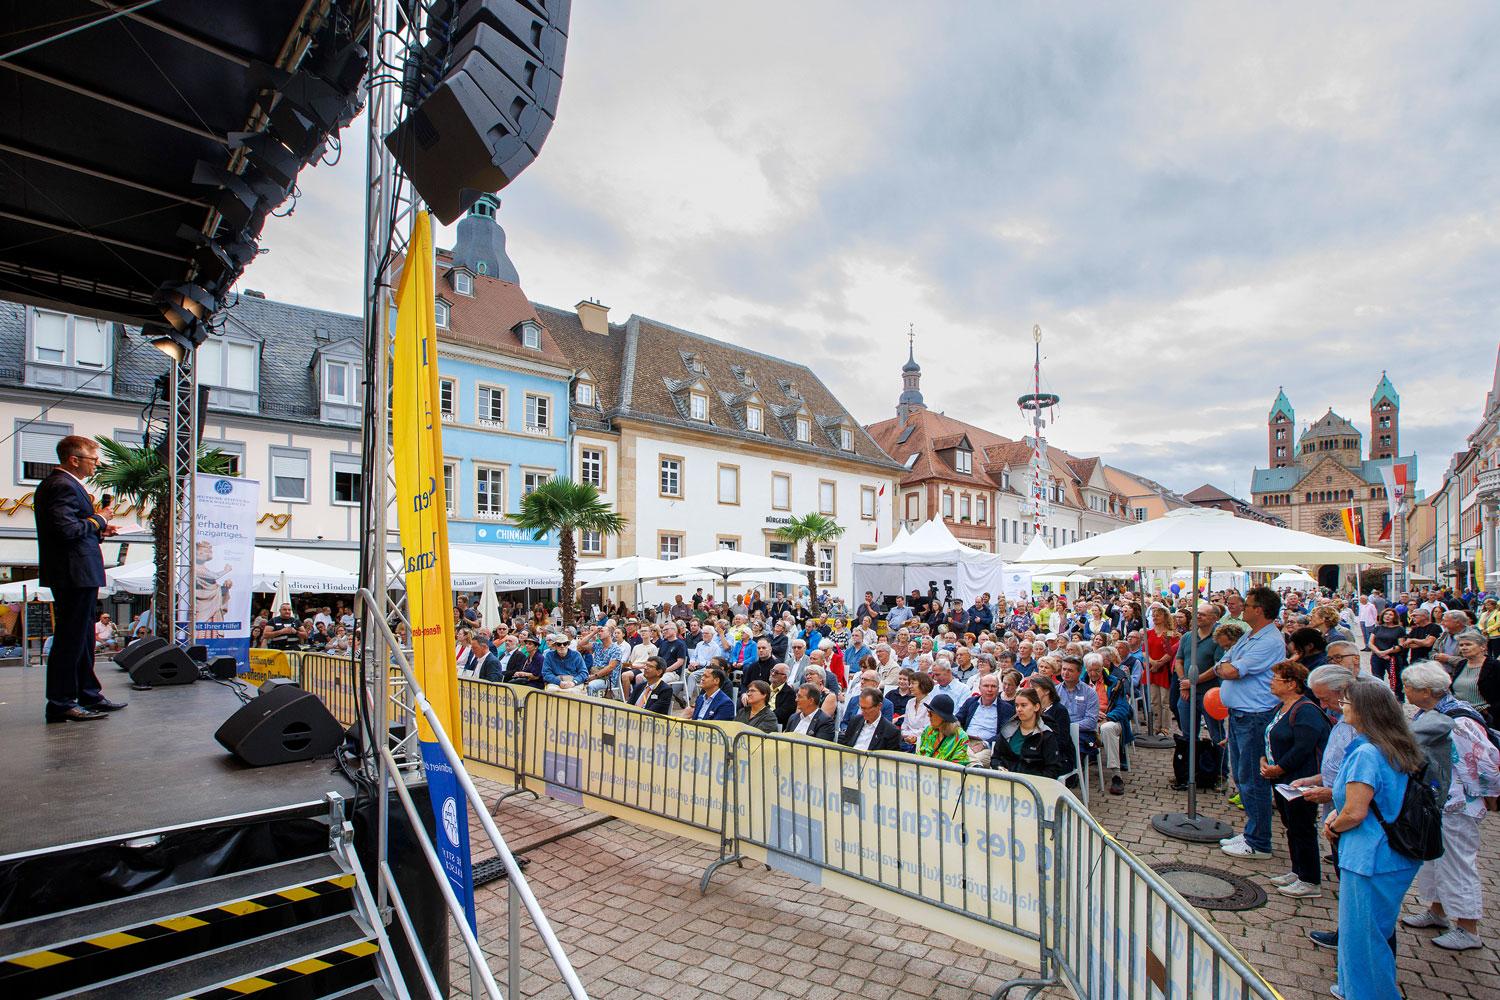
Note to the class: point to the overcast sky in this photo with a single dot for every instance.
(1196, 205)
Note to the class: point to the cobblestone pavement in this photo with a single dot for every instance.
(625, 902)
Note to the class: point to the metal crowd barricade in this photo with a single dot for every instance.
(973, 843)
(643, 764)
(492, 728)
(334, 679)
(1123, 932)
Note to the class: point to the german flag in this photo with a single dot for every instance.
(1354, 524)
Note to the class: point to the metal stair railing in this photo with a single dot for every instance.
(519, 890)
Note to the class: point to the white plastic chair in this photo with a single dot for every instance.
(1083, 782)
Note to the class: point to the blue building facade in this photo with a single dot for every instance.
(503, 394)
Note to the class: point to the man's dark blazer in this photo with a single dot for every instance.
(659, 701)
(67, 534)
(821, 727)
(887, 736)
(760, 670)
(786, 704)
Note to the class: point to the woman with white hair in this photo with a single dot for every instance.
(1450, 886)
(1476, 676)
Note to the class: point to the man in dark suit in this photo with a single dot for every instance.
(871, 730)
(713, 704)
(783, 695)
(68, 532)
(651, 693)
(809, 719)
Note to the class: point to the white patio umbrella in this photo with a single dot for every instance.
(269, 569)
(283, 591)
(1197, 536)
(725, 564)
(489, 604)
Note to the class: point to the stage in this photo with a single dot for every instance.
(151, 766)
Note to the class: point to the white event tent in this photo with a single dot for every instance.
(926, 557)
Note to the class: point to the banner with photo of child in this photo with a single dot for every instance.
(225, 512)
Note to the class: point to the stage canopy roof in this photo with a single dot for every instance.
(102, 129)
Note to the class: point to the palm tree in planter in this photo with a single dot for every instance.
(138, 476)
(567, 508)
(811, 530)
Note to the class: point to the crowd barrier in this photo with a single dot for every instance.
(1122, 932)
(1009, 863)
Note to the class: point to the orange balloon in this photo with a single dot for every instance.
(1213, 704)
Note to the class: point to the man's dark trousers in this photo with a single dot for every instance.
(70, 666)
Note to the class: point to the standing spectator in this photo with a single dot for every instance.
(1294, 748)
(1027, 744)
(1387, 652)
(1489, 623)
(1445, 650)
(1373, 877)
(1206, 652)
(1369, 617)
(1245, 688)
(1421, 637)
(1451, 885)
(944, 738)
(69, 531)
(1476, 676)
(282, 633)
(1162, 641)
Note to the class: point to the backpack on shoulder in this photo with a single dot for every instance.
(1417, 831)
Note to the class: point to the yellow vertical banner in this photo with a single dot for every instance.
(422, 512)
(422, 507)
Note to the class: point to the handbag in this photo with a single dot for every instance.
(1417, 831)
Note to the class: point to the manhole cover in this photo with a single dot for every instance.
(1211, 888)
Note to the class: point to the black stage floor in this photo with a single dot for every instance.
(152, 765)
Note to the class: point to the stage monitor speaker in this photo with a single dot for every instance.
(283, 725)
(198, 654)
(224, 668)
(486, 119)
(132, 654)
(167, 665)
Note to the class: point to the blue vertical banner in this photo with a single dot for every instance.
(224, 564)
(422, 512)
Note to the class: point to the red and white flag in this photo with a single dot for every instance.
(1394, 477)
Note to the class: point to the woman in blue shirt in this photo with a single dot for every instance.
(1373, 877)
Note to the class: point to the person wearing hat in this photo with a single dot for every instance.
(562, 666)
(524, 665)
(944, 738)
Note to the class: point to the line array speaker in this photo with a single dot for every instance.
(484, 119)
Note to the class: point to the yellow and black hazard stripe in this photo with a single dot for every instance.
(311, 966)
(155, 930)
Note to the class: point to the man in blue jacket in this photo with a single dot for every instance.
(68, 533)
(713, 704)
(981, 717)
(563, 667)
